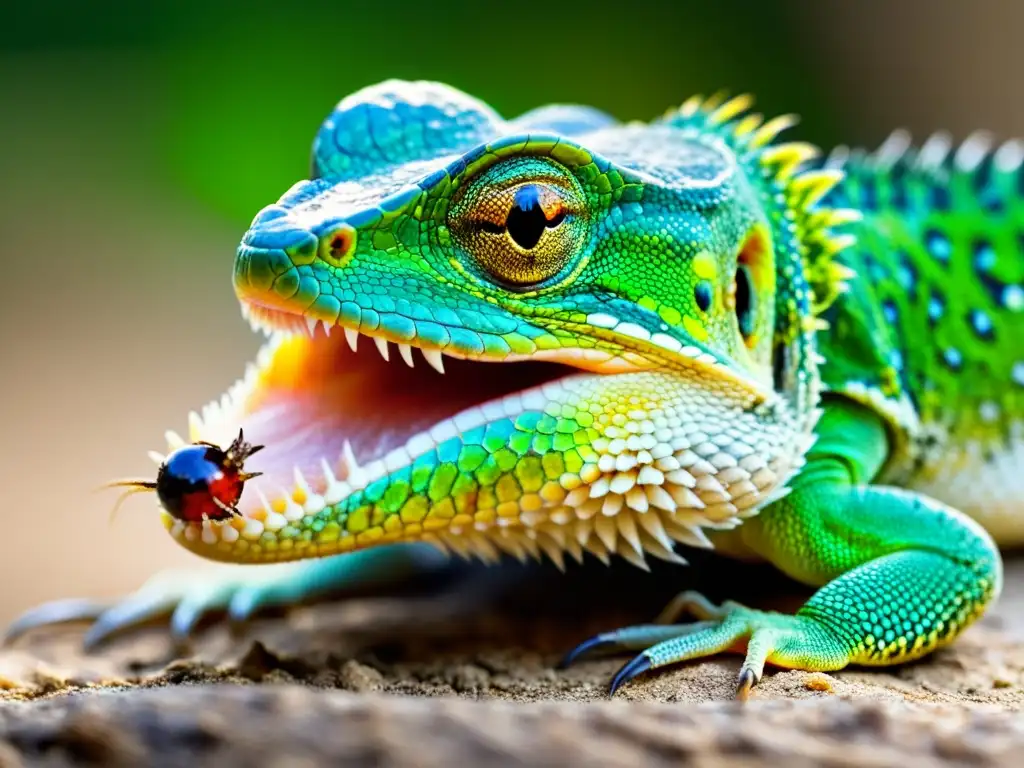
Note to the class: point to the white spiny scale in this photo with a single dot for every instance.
(595, 547)
(597, 489)
(434, 358)
(607, 531)
(626, 552)
(648, 475)
(692, 535)
(157, 458)
(655, 529)
(622, 482)
(636, 499)
(174, 440)
(458, 544)
(552, 550)
(660, 498)
(484, 549)
(577, 496)
(406, 352)
(529, 541)
(352, 337)
(612, 504)
(382, 346)
(627, 530)
(510, 544)
(684, 497)
(659, 550)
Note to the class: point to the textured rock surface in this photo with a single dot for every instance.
(474, 670)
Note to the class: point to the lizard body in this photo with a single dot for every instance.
(687, 331)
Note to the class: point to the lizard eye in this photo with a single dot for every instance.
(520, 235)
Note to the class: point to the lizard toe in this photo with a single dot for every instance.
(794, 642)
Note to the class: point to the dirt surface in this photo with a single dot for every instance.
(466, 675)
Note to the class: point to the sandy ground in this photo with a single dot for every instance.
(466, 673)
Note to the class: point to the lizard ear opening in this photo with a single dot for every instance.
(753, 286)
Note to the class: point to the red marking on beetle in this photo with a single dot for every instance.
(198, 482)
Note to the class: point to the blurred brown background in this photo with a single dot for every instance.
(137, 142)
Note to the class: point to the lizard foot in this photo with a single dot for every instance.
(237, 591)
(794, 642)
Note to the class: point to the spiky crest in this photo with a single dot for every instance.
(784, 165)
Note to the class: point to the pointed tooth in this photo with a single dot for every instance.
(348, 456)
(352, 337)
(382, 346)
(300, 482)
(327, 327)
(356, 476)
(311, 324)
(336, 490)
(406, 352)
(433, 357)
(195, 425)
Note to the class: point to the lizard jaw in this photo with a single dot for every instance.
(336, 417)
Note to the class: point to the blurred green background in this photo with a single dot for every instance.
(138, 139)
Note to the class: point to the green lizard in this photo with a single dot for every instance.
(683, 332)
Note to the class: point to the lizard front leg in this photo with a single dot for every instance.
(902, 574)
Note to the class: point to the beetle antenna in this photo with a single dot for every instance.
(134, 487)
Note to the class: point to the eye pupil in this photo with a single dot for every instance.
(745, 301)
(526, 220)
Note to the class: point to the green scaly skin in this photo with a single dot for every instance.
(738, 350)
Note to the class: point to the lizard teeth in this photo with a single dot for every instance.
(352, 337)
(311, 324)
(433, 357)
(327, 327)
(382, 347)
(406, 352)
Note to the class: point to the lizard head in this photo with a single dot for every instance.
(551, 334)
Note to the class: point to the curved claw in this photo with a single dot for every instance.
(56, 612)
(747, 679)
(595, 643)
(635, 666)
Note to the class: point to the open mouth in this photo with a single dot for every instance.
(369, 442)
(336, 410)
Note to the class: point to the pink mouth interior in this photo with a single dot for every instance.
(316, 394)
